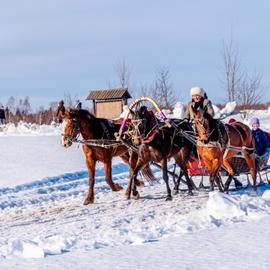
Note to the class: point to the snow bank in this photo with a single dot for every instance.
(216, 111)
(39, 248)
(178, 111)
(26, 249)
(229, 108)
(24, 128)
(223, 206)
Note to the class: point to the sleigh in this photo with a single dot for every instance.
(197, 169)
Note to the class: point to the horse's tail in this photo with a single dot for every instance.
(147, 173)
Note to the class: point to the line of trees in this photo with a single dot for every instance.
(21, 110)
(238, 83)
(17, 110)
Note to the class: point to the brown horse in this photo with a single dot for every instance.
(249, 153)
(158, 145)
(92, 128)
(218, 143)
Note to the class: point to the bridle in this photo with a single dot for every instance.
(75, 131)
(137, 136)
(141, 134)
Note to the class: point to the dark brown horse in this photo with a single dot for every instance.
(158, 145)
(92, 128)
(218, 143)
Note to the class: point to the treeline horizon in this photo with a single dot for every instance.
(17, 110)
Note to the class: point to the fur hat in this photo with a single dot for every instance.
(197, 91)
(254, 120)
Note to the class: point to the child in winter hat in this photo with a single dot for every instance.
(254, 121)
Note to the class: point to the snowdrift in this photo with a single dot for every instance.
(24, 128)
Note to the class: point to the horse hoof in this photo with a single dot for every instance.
(175, 192)
(137, 196)
(253, 193)
(116, 187)
(168, 198)
(88, 201)
(190, 193)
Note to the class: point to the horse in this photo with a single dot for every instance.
(92, 128)
(159, 143)
(249, 145)
(219, 142)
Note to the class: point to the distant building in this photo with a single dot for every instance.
(109, 103)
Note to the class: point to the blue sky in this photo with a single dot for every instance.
(49, 48)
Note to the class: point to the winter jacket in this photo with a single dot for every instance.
(261, 141)
(203, 104)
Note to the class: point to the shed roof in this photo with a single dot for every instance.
(117, 93)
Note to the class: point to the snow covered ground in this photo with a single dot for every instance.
(43, 224)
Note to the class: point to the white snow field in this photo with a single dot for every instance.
(44, 225)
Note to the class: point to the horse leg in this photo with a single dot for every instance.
(131, 159)
(108, 177)
(218, 181)
(132, 181)
(216, 164)
(135, 193)
(189, 181)
(91, 164)
(166, 178)
(190, 184)
(227, 165)
(177, 183)
(211, 182)
(252, 168)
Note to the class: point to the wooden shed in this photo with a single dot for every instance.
(109, 103)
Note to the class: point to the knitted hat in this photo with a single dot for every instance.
(254, 120)
(197, 91)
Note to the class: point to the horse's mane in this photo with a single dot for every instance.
(211, 119)
(85, 114)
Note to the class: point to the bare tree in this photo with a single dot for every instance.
(163, 88)
(69, 100)
(231, 70)
(123, 72)
(26, 107)
(124, 76)
(11, 104)
(145, 90)
(239, 85)
(250, 90)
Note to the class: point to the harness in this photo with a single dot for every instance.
(105, 130)
(223, 145)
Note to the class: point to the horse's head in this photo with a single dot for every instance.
(71, 128)
(202, 122)
(143, 124)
